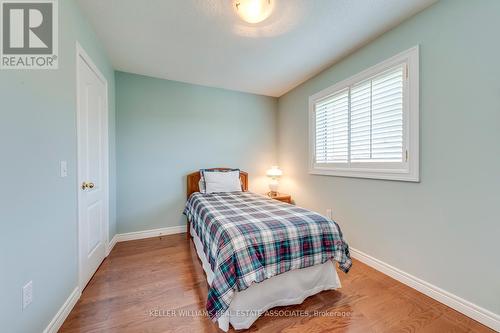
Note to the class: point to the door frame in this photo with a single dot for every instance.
(81, 54)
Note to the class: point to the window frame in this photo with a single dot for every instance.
(408, 170)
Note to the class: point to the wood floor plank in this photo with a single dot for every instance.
(141, 281)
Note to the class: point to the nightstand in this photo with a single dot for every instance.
(282, 197)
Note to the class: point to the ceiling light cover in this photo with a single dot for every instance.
(254, 11)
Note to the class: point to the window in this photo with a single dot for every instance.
(367, 125)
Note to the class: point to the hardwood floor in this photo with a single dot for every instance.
(142, 280)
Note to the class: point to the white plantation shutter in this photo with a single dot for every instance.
(387, 116)
(332, 128)
(377, 118)
(374, 131)
(361, 122)
(367, 125)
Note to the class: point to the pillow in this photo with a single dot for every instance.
(201, 186)
(201, 182)
(222, 181)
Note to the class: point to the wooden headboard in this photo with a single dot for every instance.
(194, 178)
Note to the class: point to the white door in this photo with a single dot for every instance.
(92, 129)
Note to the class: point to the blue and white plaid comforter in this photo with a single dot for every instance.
(248, 238)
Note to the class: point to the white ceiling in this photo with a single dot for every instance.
(205, 42)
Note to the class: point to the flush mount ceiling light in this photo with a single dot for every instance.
(253, 11)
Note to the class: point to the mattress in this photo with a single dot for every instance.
(289, 288)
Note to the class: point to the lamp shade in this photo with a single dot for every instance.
(274, 172)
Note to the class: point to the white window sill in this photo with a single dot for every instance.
(400, 175)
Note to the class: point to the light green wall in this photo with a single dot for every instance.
(167, 129)
(38, 212)
(445, 229)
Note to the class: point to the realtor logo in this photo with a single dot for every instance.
(29, 38)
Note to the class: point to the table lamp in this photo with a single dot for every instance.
(274, 173)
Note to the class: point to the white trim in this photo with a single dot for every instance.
(363, 173)
(144, 234)
(469, 309)
(80, 53)
(150, 233)
(111, 244)
(63, 312)
(408, 171)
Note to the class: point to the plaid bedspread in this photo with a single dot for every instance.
(248, 238)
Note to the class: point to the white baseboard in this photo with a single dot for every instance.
(63, 312)
(144, 234)
(111, 244)
(150, 233)
(469, 309)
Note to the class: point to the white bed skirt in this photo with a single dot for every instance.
(285, 289)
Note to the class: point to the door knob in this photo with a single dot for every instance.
(87, 185)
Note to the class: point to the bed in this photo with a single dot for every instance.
(259, 253)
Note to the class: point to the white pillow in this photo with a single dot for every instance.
(227, 181)
(201, 186)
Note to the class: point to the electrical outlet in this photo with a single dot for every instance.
(27, 294)
(329, 213)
